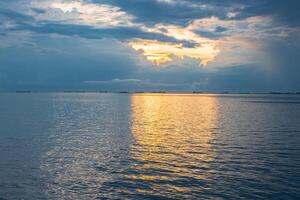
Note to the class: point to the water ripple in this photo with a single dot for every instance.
(146, 146)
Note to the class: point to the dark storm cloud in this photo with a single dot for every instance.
(90, 32)
(28, 23)
(285, 12)
(151, 12)
(183, 11)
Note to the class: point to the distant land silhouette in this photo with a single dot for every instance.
(136, 92)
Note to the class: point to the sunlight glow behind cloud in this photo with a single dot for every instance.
(204, 50)
(162, 52)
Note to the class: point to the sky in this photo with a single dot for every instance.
(150, 45)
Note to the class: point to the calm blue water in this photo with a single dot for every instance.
(149, 146)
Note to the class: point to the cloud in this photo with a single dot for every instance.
(116, 80)
(82, 12)
(162, 52)
(134, 84)
(201, 30)
(152, 12)
(284, 12)
(242, 44)
(121, 33)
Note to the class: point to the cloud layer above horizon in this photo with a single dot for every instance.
(179, 44)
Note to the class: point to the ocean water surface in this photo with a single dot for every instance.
(149, 146)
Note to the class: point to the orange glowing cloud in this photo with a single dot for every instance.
(162, 52)
(159, 52)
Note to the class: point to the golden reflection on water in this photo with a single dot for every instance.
(172, 139)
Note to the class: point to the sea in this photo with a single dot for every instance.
(149, 146)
